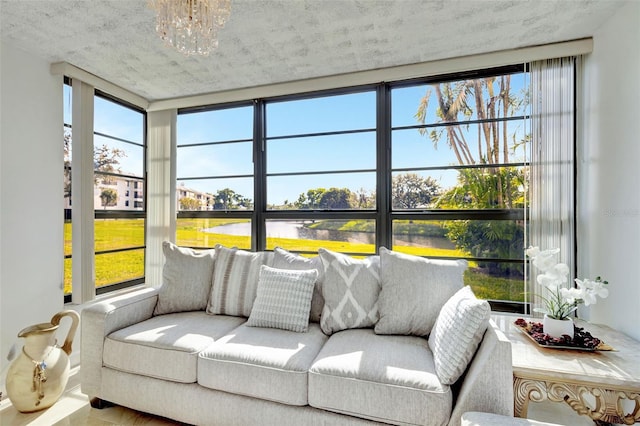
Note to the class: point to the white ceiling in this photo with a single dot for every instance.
(271, 41)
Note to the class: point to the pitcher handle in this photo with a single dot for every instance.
(75, 320)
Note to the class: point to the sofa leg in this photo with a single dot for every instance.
(99, 403)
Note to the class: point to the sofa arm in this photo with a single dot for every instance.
(488, 382)
(103, 318)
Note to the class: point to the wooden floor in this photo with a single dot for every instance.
(73, 409)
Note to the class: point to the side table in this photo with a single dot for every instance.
(610, 378)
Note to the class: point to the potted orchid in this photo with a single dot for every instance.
(561, 302)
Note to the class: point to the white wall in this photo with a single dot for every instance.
(31, 197)
(609, 171)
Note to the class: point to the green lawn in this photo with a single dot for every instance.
(121, 233)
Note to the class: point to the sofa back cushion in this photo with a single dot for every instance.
(186, 279)
(283, 299)
(283, 259)
(350, 289)
(235, 279)
(414, 289)
(457, 333)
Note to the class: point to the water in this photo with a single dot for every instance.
(297, 230)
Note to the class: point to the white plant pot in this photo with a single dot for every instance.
(557, 328)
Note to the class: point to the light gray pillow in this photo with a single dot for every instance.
(283, 259)
(414, 289)
(283, 299)
(235, 280)
(457, 333)
(186, 279)
(350, 289)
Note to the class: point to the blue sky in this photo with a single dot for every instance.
(339, 152)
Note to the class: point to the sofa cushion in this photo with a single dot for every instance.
(457, 333)
(350, 289)
(414, 289)
(235, 279)
(283, 299)
(166, 346)
(186, 279)
(384, 378)
(265, 363)
(283, 259)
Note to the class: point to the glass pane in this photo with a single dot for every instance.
(475, 188)
(351, 236)
(322, 153)
(490, 239)
(118, 193)
(215, 194)
(229, 159)
(322, 192)
(323, 114)
(501, 96)
(113, 234)
(507, 283)
(118, 121)
(214, 126)
(459, 145)
(113, 156)
(209, 232)
(117, 267)
(67, 104)
(67, 275)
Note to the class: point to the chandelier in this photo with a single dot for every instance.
(191, 26)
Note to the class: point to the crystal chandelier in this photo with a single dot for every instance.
(191, 26)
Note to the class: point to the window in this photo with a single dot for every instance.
(434, 167)
(118, 159)
(459, 170)
(215, 173)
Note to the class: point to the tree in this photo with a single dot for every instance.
(494, 186)
(326, 199)
(109, 197)
(228, 199)
(189, 203)
(487, 98)
(410, 191)
(105, 160)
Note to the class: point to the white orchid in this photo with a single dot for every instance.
(561, 301)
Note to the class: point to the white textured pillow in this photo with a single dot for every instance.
(457, 334)
(186, 279)
(283, 299)
(283, 259)
(235, 279)
(350, 289)
(414, 289)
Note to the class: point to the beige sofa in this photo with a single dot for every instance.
(377, 344)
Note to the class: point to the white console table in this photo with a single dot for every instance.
(611, 378)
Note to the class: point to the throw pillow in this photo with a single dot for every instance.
(283, 259)
(457, 333)
(414, 289)
(235, 279)
(283, 299)
(186, 279)
(350, 289)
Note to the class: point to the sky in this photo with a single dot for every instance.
(353, 152)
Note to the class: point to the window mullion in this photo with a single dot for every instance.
(258, 231)
(383, 163)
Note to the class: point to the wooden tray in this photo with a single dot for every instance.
(526, 330)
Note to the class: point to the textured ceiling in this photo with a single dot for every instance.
(270, 41)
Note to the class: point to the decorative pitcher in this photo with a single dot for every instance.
(39, 375)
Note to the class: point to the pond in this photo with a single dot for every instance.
(298, 231)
